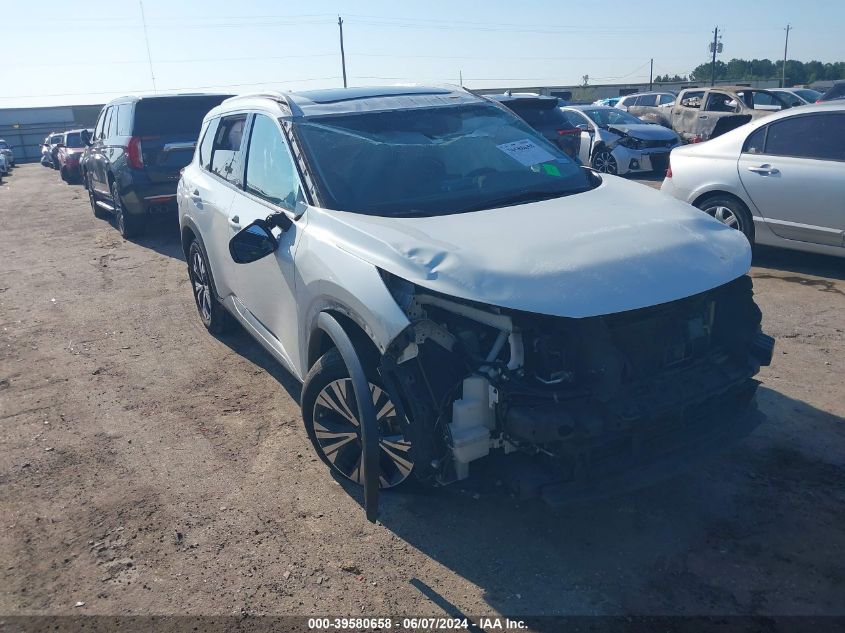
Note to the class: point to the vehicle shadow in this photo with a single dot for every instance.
(162, 236)
(239, 341)
(797, 262)
(718, 540)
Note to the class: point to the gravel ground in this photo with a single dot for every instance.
(147, 467)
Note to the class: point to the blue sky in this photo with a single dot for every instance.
(89, 51)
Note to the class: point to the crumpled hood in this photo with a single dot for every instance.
(646, 131)
(618, 247)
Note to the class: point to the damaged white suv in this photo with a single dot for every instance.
(425, 247)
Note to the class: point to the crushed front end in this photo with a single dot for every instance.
(594, 404)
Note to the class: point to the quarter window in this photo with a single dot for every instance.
(227, 156)
(270, 172)
(124, 120)
(207, 143)
(755, 143)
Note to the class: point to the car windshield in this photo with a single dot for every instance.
(73, 140)
(611, 116)
(433, 161)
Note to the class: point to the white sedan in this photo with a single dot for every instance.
(780, 180)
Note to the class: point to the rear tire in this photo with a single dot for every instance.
(731, 212)
(213, 315)
(129, 225)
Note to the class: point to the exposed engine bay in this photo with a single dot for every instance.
(590, 398)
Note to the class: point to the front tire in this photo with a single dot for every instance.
(129, 225)
(213, 315)
(331, 421)
(605, 162)
(730, 212)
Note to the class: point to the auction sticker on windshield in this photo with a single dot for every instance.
(526, 152)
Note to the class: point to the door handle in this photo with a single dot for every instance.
(235, 222)
(765, 170)
(702, 116)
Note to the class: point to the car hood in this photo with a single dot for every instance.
(645, 131)
(619, 247)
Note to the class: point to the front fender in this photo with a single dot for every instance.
(334, 280)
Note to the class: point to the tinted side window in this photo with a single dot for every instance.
(647, 100)
(98, 129)
(819, 136)
(664, 99)
(207, 143)
(108, 127)
(270, 172)
(226, 155)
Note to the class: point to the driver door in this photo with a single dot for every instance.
(264, 290)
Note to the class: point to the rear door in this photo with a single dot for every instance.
(686, 112)
(222, 181)
(97, 161)
(266, 288)
(168, 128)
(794, 172)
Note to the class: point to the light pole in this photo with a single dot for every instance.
(785, 48)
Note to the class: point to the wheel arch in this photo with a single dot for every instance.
(319, 342)
(721, 193)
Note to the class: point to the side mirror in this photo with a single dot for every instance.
(252, 243)
(85, 136)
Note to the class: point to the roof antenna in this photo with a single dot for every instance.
(147, 42)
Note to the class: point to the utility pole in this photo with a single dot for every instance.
(461, 78)
(715, 45)
(342, 54)
(147, 41)
(650, 74)
(785, 48)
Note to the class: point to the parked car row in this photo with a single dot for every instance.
(453, 276)
(7, 158)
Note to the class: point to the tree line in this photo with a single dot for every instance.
(749, 70)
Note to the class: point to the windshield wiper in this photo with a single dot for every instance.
(523, 197)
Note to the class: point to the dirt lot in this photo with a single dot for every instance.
(147, 467)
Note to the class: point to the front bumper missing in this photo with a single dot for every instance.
(651, 450)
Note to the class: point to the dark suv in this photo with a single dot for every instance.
(544, 115)
(139, 145)
(837, 91)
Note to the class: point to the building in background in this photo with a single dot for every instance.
(25, 128)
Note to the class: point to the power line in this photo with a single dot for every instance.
(193, 89)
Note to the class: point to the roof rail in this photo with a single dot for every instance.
(275, 95)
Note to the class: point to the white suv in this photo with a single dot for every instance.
(481, 294)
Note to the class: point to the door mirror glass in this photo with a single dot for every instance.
(85, 135)
(252, 243)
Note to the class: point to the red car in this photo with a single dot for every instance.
(68, 152)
